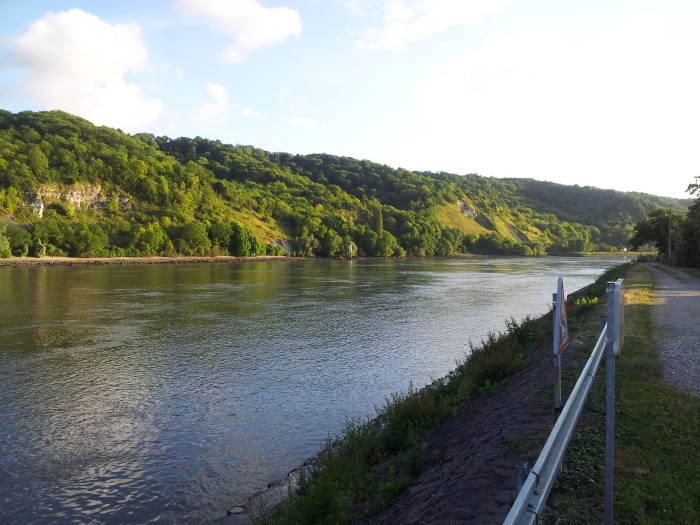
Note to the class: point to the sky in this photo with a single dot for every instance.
(603, 93)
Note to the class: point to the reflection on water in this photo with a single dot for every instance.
(165, 393)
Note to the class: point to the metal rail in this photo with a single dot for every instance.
(534, 493)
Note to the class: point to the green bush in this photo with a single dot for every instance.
(5, 248)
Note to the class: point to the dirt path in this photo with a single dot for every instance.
(469, 473)
(676, 315)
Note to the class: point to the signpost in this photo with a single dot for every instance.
(560, 339)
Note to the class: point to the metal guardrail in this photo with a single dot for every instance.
(534, 493)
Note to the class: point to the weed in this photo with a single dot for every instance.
(488, 387)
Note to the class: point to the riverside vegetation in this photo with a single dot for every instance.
(364, 470)
(68, 187)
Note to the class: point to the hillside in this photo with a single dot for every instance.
(69, 187)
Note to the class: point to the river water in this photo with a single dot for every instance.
(167, 393)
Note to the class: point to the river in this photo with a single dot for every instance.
(167, 393)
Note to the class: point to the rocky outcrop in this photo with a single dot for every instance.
(78, 196)
(466, 210)
(38, 206)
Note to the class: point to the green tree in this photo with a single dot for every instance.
(37, 249)
(386, 245)
(19, 238)
(86, 240)
(244, 243)
(5, 247)
(193, 240)
(150, 239)
(220, 234)
(654, 230)
(690, 252)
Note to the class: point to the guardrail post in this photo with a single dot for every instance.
(557, 358)
(522, 470)
(610, 350)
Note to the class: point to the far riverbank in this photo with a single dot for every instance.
(75, 261)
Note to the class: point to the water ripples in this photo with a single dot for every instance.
(164, 395)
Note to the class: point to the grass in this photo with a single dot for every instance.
(362, 472)
(449, 215)
(657, 478)
(507, 230)
(264, 228)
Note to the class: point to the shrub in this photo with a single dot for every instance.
(5, 249)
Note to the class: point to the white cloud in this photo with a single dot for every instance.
(290, 101)
(358, 7)
(251, 25)
(405, 21)
(302, 122)
(76, 62)
(251, 113)
(616, 106)
(218, 108)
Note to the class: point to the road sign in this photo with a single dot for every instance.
(561, 327)
(560, 339)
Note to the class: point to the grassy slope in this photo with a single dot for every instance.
(507, 230)
(449, 215)
(265, 228)
(658, 436)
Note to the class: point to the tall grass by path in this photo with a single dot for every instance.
(657, 455)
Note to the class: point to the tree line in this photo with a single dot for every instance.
(681, 229)
(195, 196)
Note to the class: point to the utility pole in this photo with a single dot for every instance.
(668, 253)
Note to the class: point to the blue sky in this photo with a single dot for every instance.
(602, 93)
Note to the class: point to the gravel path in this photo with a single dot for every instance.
(676, 315)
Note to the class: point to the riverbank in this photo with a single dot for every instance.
(657, 450)
(80, 261)
(445, 453)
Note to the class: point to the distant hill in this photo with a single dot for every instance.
(69, 187)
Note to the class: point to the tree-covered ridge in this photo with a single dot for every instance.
(684, 231)
(101, 192)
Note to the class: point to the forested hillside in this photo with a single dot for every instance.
(70, 188)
